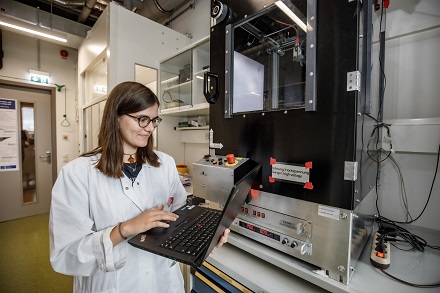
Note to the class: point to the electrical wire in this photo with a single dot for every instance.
(381, 68)
(389, 230)
(408, 283)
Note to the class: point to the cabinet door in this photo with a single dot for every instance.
(176, 82)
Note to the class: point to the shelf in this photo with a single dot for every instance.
(193, 128)
(177, 86)
(201, 71)
(196, 110)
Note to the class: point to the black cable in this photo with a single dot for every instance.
(410, 284)
(171, 97)
(381, 68)
(390, 230)
(432, 186)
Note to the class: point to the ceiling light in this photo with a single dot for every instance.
(281, 5)
(31, 29)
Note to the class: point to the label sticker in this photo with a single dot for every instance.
(290, 173)
(328, 212)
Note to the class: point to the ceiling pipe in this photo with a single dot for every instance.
(153, 9)
(88, 6)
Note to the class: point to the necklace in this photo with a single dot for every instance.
(131, 159)
(129, 165)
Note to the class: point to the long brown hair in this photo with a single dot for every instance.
(125, 98)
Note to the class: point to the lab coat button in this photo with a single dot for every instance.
(126, 188)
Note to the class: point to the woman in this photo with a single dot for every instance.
(116, 191)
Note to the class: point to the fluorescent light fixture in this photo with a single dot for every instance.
(281, 5)
(31, 29)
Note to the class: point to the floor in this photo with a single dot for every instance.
(24, 258)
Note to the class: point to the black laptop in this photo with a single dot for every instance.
(196, 232)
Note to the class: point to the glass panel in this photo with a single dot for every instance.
(201, 65)
(176, 81)
(148, 77)
(28, 172)
(92, 122)
(96, 80)
(269, 60)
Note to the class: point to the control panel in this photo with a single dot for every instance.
(287, 233)
(214, 176)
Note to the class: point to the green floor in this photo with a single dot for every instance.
(24, 258)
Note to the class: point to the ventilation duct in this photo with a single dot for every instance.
(153, 9)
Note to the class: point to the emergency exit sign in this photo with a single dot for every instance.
(39, 76)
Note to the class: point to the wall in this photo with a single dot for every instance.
(185, 23)
(411, 107)
(21, 55)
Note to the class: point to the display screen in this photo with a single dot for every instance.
(259, 230)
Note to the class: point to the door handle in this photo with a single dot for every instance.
(47, 157)
(210, 98)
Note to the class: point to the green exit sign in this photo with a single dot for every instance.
(40, 79)
(39, 76)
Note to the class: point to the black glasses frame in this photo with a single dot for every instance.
(156, 120)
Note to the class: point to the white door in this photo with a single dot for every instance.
(26, 190)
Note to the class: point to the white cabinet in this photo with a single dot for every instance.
(181, 81)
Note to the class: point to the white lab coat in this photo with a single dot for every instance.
(87, 204)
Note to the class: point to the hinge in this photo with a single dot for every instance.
(353, 81)
(350, 171)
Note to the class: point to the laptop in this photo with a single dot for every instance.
(207, 225)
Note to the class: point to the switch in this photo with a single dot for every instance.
(65, 158)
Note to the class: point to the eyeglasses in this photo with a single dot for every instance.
(144, 121)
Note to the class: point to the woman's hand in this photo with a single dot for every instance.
(223, 239)
(152, 218)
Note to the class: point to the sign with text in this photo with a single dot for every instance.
(286, 172)
(9, 150)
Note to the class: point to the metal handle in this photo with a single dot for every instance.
(47, 157)
(212, 99)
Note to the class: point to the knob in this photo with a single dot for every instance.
(285, 241)
(294, 244)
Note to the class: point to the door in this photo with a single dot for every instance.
(26, 187)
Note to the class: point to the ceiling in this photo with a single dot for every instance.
(76, 17)
(88, 11)
(71, 10)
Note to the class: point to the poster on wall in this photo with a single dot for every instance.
(9, 148)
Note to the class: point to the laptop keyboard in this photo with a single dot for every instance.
(194, 235)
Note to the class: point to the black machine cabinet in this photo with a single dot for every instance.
(327, 137)
(292, 95)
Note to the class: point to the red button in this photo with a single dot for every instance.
(263, 215)
(254, 213)
(258, 214)
(246, 210)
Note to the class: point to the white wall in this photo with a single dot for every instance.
(411, 106)
(134, 39)
(21, 55)
(196, 22)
